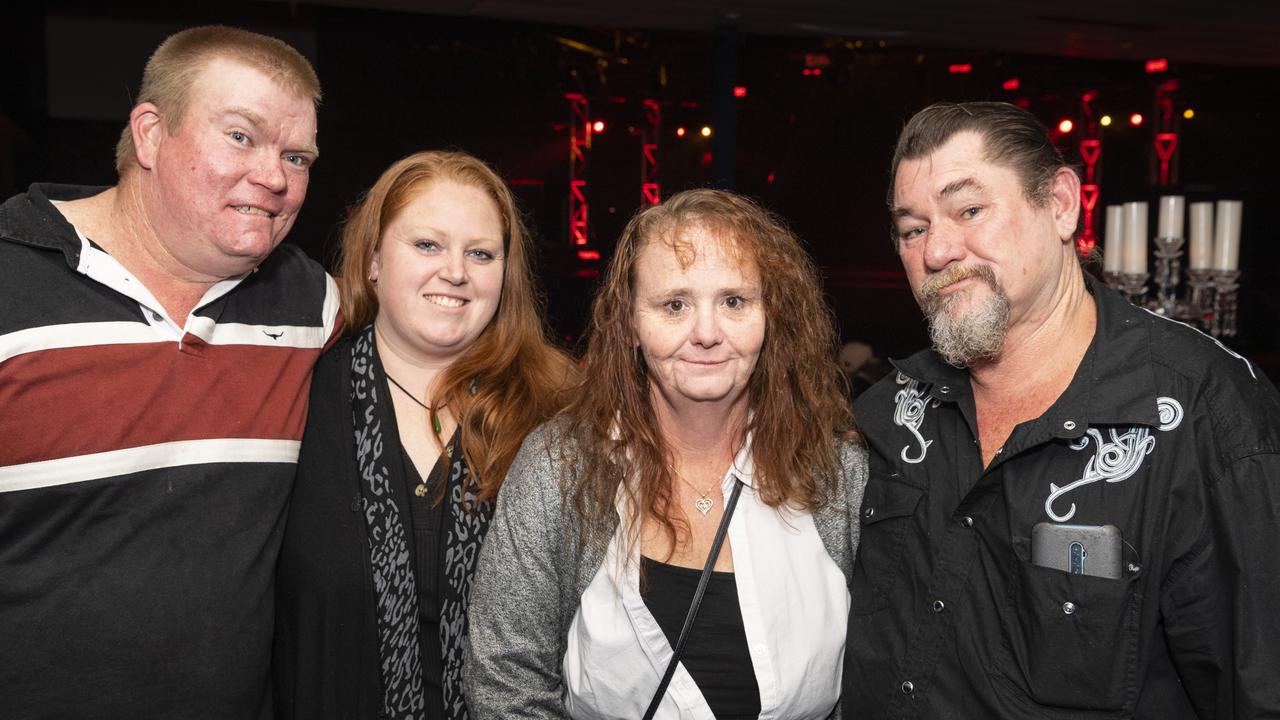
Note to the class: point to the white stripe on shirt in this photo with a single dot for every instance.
(95, 466)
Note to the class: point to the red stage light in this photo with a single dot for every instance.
(771, 177)
(588, 255)
(679, 132)
(1135, 119)
(598, 126)
(1157, 65)
(739, 90)
(1066, 125)
(1011, 84)
(960, 68)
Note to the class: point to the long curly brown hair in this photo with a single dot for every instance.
(511, 378)
(798, 412)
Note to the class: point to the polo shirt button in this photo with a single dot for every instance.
(908, 687)
(1068, 608)
(156, 316)
(966, 521)
(1069, 425)
(939, 606)
(869, 512)
(944, 389)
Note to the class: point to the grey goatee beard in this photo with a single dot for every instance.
(976, 336)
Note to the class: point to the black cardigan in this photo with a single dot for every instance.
(325, 662)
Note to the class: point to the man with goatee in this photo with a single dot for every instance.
(1073, 508)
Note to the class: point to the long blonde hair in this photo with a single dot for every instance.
(798, 411)
(516, 373)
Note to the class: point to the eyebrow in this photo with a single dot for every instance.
(956, 186)
(259, 122)
(736, 290)
(952, 188)
(430, 232)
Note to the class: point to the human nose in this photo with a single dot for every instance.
(455, 267)
(706, 327)
(269, 173)
(943, 245)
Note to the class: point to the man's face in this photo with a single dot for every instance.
(228, 182)
(979, 256)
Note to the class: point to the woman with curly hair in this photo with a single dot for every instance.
(679, 539)
(415, 418)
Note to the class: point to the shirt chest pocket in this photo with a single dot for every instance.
(888, 509)
(1072, 640)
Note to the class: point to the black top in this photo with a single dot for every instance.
(428, 523)
(715, 653)
(1164, 434)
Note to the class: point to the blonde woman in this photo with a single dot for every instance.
(709, 453)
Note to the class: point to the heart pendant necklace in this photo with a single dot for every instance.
(703, 503)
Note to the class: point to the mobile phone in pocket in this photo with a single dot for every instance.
(1094, 550)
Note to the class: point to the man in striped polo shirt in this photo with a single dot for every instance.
(155, 351)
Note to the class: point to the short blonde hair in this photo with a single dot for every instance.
(176, 65)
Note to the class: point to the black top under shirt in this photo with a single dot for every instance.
(715, 653)
(428, 540)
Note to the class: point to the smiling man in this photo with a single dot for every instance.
(156, 344)
(1073, 504)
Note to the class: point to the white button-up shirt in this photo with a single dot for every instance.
(795, 607)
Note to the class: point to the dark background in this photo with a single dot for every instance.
(813, 147)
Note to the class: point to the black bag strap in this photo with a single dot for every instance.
(678, 650)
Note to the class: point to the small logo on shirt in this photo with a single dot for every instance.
(909, 414)
(274, 336)
(1116, 457)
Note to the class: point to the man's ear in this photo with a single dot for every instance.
(1064, 198)
(148, 129)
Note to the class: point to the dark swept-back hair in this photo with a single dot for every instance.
(1011, 137)
(797, 411)
(511, 378)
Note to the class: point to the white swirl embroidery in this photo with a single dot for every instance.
(1170, 412)
(909, 414)
(1117, 459)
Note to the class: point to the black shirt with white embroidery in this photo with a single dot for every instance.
(1162, 432)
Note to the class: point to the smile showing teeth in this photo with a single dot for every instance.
(445, 301)
(251, 210)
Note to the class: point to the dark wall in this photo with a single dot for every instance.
(814, 148)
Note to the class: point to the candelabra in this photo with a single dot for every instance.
(1208, 298)
(1208, 302)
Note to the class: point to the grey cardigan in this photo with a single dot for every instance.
(534, 568)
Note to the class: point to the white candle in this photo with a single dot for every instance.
(1135, 238)
(1226, 246)
(1201, 235)
(1113, 243)
(1171, 215)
